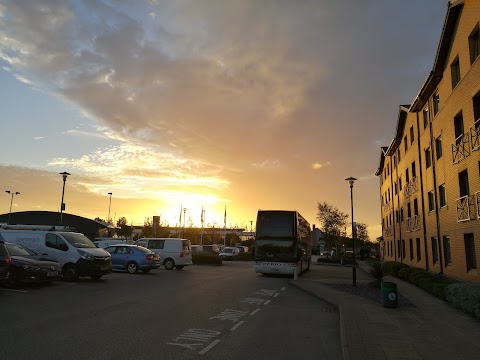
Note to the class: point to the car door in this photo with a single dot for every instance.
(116, 263)
(56, 249)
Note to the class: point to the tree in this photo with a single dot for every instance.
(147, 230)
(124, 230)
(361, 233)
(332, 222)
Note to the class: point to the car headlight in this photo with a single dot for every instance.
(86, 255)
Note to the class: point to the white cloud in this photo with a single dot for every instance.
(317, 166)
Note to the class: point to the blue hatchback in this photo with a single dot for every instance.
(133, 258)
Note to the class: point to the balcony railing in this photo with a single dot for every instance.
(388, 231)
(386, 206)
(461, 148)
(463, 207)
(413, 223)
(475, 135)
(410, 187)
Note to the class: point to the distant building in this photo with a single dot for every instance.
(318, 239)
(429, 174)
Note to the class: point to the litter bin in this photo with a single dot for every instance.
(389, 294)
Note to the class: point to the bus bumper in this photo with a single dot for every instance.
(269, 267)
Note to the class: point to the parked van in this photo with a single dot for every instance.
(174, 252)
(76, 253)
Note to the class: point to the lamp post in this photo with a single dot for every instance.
(62, 204)
(184, 210)
(251, 225)
(109, 205)
(351, 180)
(11, 202)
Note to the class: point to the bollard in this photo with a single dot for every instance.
(295, 274)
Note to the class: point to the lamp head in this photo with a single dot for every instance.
(110, 194)
(7, 191)
(350, 180)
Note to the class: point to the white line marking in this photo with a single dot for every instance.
(254, 312)
(236, 326)
(266, 302)
(283, 288)
(276, 294)
(13, 290)
(214, 342)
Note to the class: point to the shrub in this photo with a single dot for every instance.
(243, 256)
(205, 257)
(393, 267)
(465, 297)
(378, 272)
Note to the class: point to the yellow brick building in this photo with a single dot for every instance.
(430, 173)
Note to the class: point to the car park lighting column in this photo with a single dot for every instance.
(109, 206)
(11, 201)
(351, 180)
(62, 205)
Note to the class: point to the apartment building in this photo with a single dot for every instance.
(430, 173)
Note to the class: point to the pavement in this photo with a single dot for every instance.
(426, 328)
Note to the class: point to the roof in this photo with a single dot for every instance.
(382, 160)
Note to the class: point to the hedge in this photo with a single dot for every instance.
(465, 297)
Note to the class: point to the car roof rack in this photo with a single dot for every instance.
(35, 227)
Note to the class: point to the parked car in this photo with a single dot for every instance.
(228, 253)
(212, 248)
(4, 261)
(197, 248)
(174, 252)
(23, 265)
(133, 258)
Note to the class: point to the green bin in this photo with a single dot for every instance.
(389, 294)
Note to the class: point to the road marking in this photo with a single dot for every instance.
(265, 292)
(214, 342)
(256, 301)
(283, 288)
(276, 294)
(199, 336)
(230, 314)
(267, 302)
(236, 326)
(13, 290)
(254, 312)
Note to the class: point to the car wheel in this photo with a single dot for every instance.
(70, 273)
(179, 267)
(169, 264)
(11, 280)
(96, 277)
(146, 270)
(132, 268)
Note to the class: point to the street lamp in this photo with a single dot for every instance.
(62, 205)
(184, 210)
(11, 201)
(351, 180)
(109, 205)
(251, 225)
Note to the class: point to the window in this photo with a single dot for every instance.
(446, 250)
(425, 118)
(397, 217)
(419, 250)
(458, 127)
(400, 184)
(55, 242)
(436, 104)
(431, 202)
(407, 176)
(401, 214)
(412, 137)
(434, 250)
(405, 143)
(414, 170)
(474, 45)
(398, 155)
(442, 195)
(403, 249)
(415, 207)
(428, 159)
(409, 211)
(394, 161)
(463, 183)
(410, 245)
(396, 190)
(470, 256)
(455, 71)
(156, 244)
(438, 147)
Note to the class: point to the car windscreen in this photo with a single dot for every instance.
(228, 251)
(16, 250)
(78, 240)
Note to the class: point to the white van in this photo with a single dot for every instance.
(76, 253)
(174, 252)
(106, 242)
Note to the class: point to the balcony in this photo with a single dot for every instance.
(386, 206)
(388, 231)
(413, 223)
(464, 204)
(475, 135)
(410, 187)
(461, 148)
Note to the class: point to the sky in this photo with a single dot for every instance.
(226, 105)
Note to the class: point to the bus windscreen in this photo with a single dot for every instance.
(275, 224)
